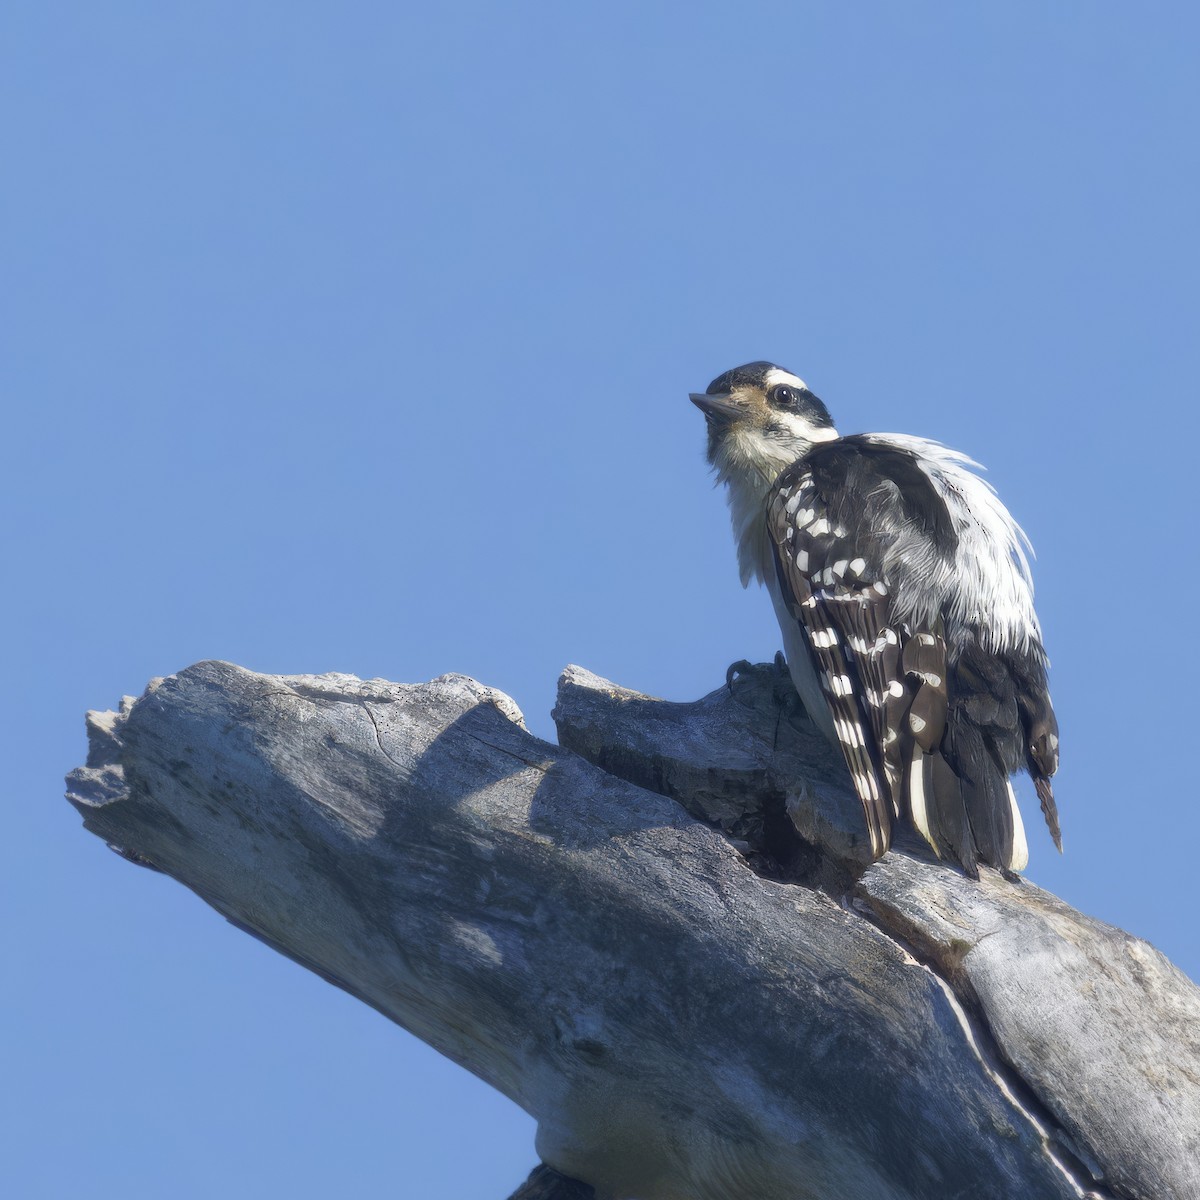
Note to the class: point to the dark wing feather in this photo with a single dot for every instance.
(874, 649)
(844, 618)
(913, 747)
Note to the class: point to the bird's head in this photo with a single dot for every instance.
(760, 419)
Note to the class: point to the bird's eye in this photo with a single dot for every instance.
(782, 396)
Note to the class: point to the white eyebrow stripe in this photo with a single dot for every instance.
(779, 375)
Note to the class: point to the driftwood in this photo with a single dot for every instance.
(627, 936)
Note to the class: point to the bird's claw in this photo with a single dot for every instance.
(735, 669)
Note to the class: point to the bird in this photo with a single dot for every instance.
(903, 591)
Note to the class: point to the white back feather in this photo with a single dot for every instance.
(990, 586)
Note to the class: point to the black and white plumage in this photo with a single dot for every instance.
(903, 592)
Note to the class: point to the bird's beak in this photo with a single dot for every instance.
(718, 407)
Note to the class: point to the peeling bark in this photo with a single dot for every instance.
(693, 1004)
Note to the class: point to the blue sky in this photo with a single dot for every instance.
(358, 337)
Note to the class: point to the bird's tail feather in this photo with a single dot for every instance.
(935, 790)
(983, 784)
(1045, 794)
(1019, 859)
(966, 811)
(1043, 762)
(1041, 733)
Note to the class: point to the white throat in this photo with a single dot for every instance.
(749, 462)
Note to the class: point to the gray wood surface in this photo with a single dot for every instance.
(691, 1001)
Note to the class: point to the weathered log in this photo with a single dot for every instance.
(544, 1183)
(691, 1006)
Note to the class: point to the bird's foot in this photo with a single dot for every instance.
(786, 700)
(786, 695)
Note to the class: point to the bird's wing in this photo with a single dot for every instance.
(831, 518)
(855, 648)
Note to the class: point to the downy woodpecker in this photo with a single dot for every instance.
(903, 592)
